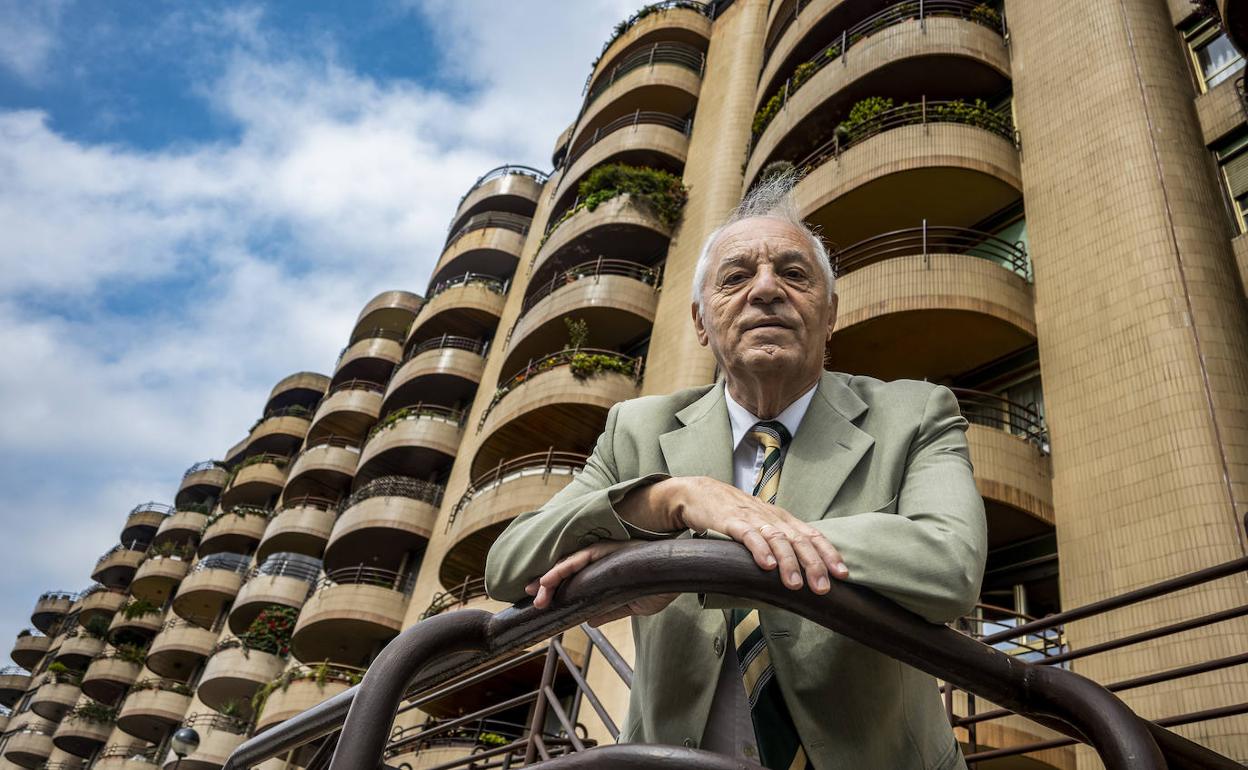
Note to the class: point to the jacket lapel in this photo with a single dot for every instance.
(703, 447)
(825, 450)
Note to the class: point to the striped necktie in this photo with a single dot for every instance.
(778, 744)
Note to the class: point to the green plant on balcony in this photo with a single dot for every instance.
(276, 460)
(660, 191)
(977, 113)
(170, 549)
(164, 685)
(59, 673)
(96, 627)
(232, 709)
(240, 511)
(862, 114)
(94, 712)
(204, 508)
(271, 630)
(624, 26)
(403, 413)
(137, 608)
(320, 674)
(578, 332)
(584, 365)
(131, 653)
(492, 739)
(294, 410)
(987, 15)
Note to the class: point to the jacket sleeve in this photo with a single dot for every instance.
(928, 556)
(579, 515)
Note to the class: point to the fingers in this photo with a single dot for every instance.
(782, 548)
(776, 538)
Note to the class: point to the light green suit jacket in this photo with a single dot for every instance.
(882, 469)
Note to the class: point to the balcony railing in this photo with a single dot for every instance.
(517, 223)
(680, 54)
(240, 511)
(226, 562)
(631, 120)
(648, 10)
(396, 486)
(417, 411)
(199, 467)
(204, 722)
(544, 464)
(649, 275)
(502, 171)
(133, 545)
(994, 411)
(403, 582)
(584, 362)
(926, 240)
(397, 335)
(489, 282)
(448, 341)
(365, 385)
(923, 113)
(152, 507)
(271, 458)
(443, 600)
(330, 440)
(148, 755)
(309, 501)
(298, 566)
(49, 596)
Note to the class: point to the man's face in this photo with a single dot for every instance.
(765, 303)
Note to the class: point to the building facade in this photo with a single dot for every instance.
(1042, 205)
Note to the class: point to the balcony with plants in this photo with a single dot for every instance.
(283, 580)
(159, 574)
(382, 521)
(419, 440)
(80, 642)
(299, 688)
(112, 672)
(235, 529)
(243, 665)
(488, 242)
(56, 691)
(85, 728)
(324, 468)
(445, 369)
(179, 648)
(116, 568)
(50, 608)
(352, 613)
(278, 431)
(184, 525)
(257, 480)
(299, 388)
(99, 602)
(301, 525)
(30, 647)
(153, 708)
(348, 409)
(209, 587)
(509, 189)
(144, 520)
(30, 745)
(202, 481)
(465, 305)
(136, 622)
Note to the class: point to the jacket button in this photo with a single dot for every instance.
(718, 646)
(691, 743)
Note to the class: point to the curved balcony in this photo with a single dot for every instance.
(127, 757)
(50, 607)
(236, 529)
(283, 580)
(392, 309)
(419, 440)
(673, 21)
(143, 521)
(351, 615)
(565, 394)
(153, 708)
(468, 305)
(256, 481)
(371, 356)
(324, 468)
(493, 499)
(641, 138)
(158, 576)
(84, 729)
(14, 681)
(301, 525)
(219, 735)
(100, 602)
(234, 673)
(212, 583)
(116, 568)
(382, 521)
(300, 688)
(512, 189)
(661, 77)
(488, 243)
(29, 648)
(184, 525)
(78, 649)
(29, 746)
(135, 623)
(111, 674)
(900, 307)
(178, 649)
(279, 431)
(616, 298)
(442, 370)
(57, 695)
(202, 481)
(298, 388)
(348, 409)
(618, 229)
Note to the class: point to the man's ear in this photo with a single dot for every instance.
(832, 314)
(698, 326)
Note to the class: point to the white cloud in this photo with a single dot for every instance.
(149, 299)
(28, 35)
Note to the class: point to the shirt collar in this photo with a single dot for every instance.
(742, 419)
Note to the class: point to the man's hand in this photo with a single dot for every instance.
(543, 589)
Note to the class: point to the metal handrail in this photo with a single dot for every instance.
(447, 341)
(543, 463)
(151, 507)
(995, 411)
(650, 275)
(143, 754)
(499, 171)
(226, 562)
(331, 440)
(241, 511)
(377, 334)
(471, 588)
(898, 13)
(402, 582)
(354, 384)
(505, 220)
(490, 282)
(432, 652)
(306, 568)
(204, 465)
(307, 501)
(624, 26)
(133, 545)
(207, 721)
(418, 411)
(553, 361)
(395, 486)
(47, 596)
(631, 120)
(926, 240)
(14, 671)
(681, 54)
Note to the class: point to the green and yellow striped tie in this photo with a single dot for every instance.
(779, 747)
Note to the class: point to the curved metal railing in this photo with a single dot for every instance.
(490, 282)
(623, 27)
(68, 596)
(241, 511)
(292, 565)
(681, 54)
(542, 464)
(500, 171)
(631, 120)
(649, 275)
(151, 507)
(377, 334)
(307, 501)
(572, 357)
(447, 341)
(205, 722)
(148, 754)
(506, 220)
(226, 562)
(14, 671)
(205, 465)
(928, 239)
(403, 582)
(133, 545)
(396, 486)
(354, 384)
(417, 411)
(471, 588)
(349, 443)
(995, 411)
(433, 652)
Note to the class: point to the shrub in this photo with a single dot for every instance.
(578, 332)
(863, 113)
(271, 630)
(987, 15)
(96, 627)
(585, 365)
(137, 608)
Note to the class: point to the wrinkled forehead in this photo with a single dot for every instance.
(761, 238)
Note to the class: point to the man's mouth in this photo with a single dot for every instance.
(771, 323)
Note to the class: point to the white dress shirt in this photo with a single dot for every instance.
(747, 453)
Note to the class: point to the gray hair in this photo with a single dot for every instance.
(773, 198)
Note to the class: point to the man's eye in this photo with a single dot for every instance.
(795, 274)
(733, 278)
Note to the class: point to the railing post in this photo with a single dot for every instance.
(539, 706)
(550, 457)
(922, 18)
(923, 110)
(844, 48)
(927, 260)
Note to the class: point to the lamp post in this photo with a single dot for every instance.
(184, 742)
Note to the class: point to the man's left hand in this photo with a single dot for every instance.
(543, 589)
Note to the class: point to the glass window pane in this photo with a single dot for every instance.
(1218, 60)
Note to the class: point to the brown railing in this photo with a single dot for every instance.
(994, 411)
(631, 120)
(471, 588)
(988, 620)
(649, 275)
(502, 219)
(491, 282)
(922, 113)
(574, 358)
(396, 486)
(926, 240)
(495, 173)
(680, 54)
(448, 341)
(403, 582)
(542, 464)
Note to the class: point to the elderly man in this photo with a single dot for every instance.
(821, 475)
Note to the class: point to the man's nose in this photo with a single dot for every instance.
(765, 288)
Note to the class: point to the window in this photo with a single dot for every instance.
(1213, 56)
(1233, 164)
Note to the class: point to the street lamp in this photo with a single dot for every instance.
(184, 742)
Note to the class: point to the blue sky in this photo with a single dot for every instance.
(197, 198)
